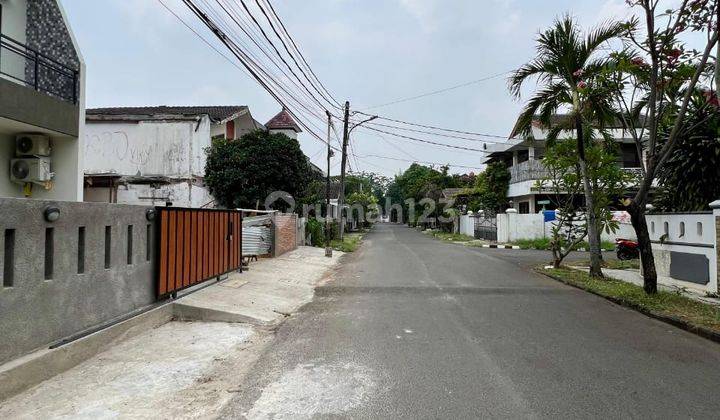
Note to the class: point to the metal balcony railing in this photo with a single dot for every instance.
(31, 68)
(532, 170)
(527, 171)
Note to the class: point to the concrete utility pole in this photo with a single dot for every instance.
(328, 249)
(341, 199)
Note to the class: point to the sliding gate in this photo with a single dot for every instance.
(195, 245)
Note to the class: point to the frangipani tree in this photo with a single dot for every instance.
(655, 79)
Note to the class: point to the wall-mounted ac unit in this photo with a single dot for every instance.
(32, 145)
(35, 169)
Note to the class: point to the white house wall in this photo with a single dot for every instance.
(173, 149)
(181, 194)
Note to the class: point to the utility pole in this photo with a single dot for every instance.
(328, 249)
(341, 199)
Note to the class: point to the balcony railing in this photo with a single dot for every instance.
(532, 170)
(31, 68)
(529, 170)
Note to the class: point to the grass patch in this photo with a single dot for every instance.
(612, 264)
(667, 304)
(541, 243)
(544, 244)
(453, 237)
(350, 243)
(449, 237)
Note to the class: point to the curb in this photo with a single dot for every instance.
(501, 246)
(668, 319)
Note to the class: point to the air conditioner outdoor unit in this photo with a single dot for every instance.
(35, 169)
(32, 145)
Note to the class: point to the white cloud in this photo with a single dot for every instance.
(424, 11)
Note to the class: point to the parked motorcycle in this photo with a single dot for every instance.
(626, 249)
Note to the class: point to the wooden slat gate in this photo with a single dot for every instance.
(195, 245)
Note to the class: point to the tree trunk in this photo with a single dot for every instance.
(637, 217)
(591, 221)
(593, 235)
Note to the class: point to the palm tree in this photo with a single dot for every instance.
(566, 64)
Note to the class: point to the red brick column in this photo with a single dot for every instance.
(285, 233)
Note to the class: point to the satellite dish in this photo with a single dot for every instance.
(20, 169)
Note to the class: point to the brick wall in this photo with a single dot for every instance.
(285, 233)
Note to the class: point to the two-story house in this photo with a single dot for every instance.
(42, 99)
(524, 161)
(156, 155)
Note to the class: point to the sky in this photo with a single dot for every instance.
(369, 52)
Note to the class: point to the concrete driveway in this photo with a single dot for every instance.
(415, 328)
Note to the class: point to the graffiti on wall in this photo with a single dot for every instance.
(149, 150)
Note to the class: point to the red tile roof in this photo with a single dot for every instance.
(282, 121)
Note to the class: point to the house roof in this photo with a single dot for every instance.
(215, 113)
(451, 192)
(282, 121)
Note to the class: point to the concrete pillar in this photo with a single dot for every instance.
(531, 153)
(515, 158)
(715, 206)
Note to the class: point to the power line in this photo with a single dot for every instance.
(242, 2)
(269, 75)
(229, 60)
(287, 50)
(435, 92)
(438, 134)
(302, 57)
(236, 17)
(421, 161)
(432, 127)
(452, 146)
(246, 61)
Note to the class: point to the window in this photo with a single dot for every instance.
(666, 228)
(699, 228)
(652, 227)
(524, 207)
(682, 229)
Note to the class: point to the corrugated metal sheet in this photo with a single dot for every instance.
(256, 240)
(257, 220)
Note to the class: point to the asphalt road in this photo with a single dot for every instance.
(415, 328)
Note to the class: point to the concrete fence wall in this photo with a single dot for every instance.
(514, 226)
(467, 225)
(300, 236)
(59, 278)
(685, 248)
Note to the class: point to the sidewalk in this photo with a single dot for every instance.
(184, 369)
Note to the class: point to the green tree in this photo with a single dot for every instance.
(243, 172)
(690, 178)
(564, 180)
(491, 188)
(655, 77)
(420, 182)
(567, 64)
(363, 207)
